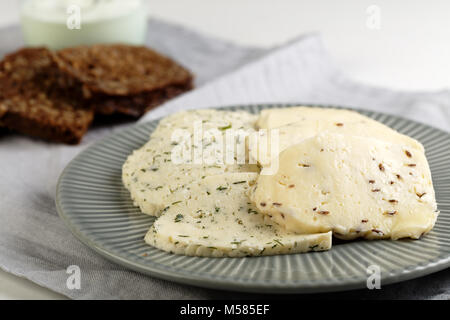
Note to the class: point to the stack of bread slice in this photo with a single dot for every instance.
(55, 95)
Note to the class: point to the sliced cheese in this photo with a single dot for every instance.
(296, 124)
(150, 174)
(213, 217)
(353, 186)
(277, 117)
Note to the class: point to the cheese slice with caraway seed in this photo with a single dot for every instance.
(353, 186)
(296, 124)
(277, 117)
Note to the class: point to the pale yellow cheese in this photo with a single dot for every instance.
(213, 217)
(353, 186)
(293, 125)
(277, 117)
(150, 174)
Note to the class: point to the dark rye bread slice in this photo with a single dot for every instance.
(122, 78)
(33, 100)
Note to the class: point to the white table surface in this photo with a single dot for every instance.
(407, 52)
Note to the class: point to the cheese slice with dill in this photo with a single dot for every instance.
(353, 186)
(150, 174)
(213, 217)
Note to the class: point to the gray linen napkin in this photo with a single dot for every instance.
(35, 244)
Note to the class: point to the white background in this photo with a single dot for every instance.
(410, 51)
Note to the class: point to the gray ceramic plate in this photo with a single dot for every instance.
(98, 210)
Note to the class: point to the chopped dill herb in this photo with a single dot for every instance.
(225, 128)
(279, 242)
